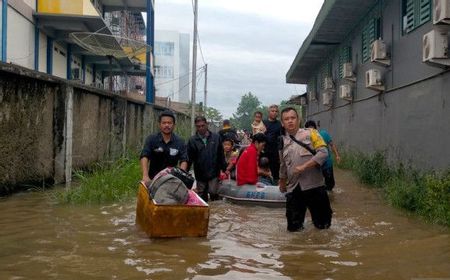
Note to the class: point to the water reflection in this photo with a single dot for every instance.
(368, 240)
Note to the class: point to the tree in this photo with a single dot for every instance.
(213, 116)
(243, 117)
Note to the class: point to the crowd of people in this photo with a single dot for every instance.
(274, 153)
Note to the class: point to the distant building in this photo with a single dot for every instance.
(377, 76)
(172, 70)
(36, 34)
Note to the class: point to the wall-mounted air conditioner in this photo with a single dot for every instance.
(345, 92)
(379, 53)
(303, 101)
(347, 69)
(441, 12)
(328, 84)
(327, 98)
(373, 80)
(435, 48)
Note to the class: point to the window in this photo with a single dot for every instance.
(324, 71)
(164, 72)
(345, 55)
(415, 13)
(370, 32)
(164, 48)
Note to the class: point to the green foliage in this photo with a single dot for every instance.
(426, 194)
(213, 115)
(243, 117)
(183, 127)
(104, 183)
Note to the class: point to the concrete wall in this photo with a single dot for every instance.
(410, 120)
(50, 126)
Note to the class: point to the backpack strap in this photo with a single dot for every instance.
(312, 151)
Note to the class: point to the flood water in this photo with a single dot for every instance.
(368, 240)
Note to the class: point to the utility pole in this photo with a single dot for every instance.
(194, 68)
(206, 89)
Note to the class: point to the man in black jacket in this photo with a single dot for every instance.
(205, 151)
(273, 131)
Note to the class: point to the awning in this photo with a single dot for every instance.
(118, 5)
(334, 22)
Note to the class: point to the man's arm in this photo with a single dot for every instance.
(335, 151)
(184, 158)
(144, 167)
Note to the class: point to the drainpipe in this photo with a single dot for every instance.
(149, 94)
(4, 28)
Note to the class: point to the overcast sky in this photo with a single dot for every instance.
(249, 45)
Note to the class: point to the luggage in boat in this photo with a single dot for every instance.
(269, 196)
(159, 220)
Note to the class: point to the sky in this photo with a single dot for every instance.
(248, 45)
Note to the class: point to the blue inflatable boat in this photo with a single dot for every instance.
(269, 196)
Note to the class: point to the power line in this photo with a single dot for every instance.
(173, 80)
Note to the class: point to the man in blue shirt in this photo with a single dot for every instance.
(327, 167)
(163, 149)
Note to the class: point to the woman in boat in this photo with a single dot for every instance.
(247, 164)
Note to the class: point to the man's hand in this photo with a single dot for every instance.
(146, 180)
(282, 187)
(338, 159)
(300, 169)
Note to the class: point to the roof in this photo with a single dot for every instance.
(130, 5)
(333, 23)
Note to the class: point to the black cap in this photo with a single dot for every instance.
(311, 123)
(167, 113)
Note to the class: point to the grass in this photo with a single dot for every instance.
(106, 182)
(424, 193)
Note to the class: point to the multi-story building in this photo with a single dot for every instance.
(377, 76)
(36, 34)
(172, 65)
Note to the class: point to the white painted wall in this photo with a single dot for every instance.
(31, 3)
(42, 52)
(20, 42)
(59, 61)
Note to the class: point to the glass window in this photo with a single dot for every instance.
(164, 48)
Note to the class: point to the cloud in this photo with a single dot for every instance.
(248, 45)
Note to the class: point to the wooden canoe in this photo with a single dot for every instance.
(170, 220)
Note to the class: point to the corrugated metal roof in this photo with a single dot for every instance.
(335, 20)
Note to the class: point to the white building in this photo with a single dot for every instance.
(36, 34)
(171, 53)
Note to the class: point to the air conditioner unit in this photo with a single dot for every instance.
(373, 80)
(347, 69)
(327, 98)
(379, 53)
(303, 101)
(312, 96)
(328, 84)
(441, 12)
(435, 48)
(345, 92)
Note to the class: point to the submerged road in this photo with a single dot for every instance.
(368, 240)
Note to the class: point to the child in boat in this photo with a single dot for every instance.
(247, 164)
(231, 155)
(258, 125)
(265, 176)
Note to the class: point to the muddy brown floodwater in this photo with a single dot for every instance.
(368, 240)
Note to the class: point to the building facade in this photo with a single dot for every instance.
(377, 76)
(36, 34)
(172, 77)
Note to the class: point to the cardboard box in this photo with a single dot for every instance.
(170, 220)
